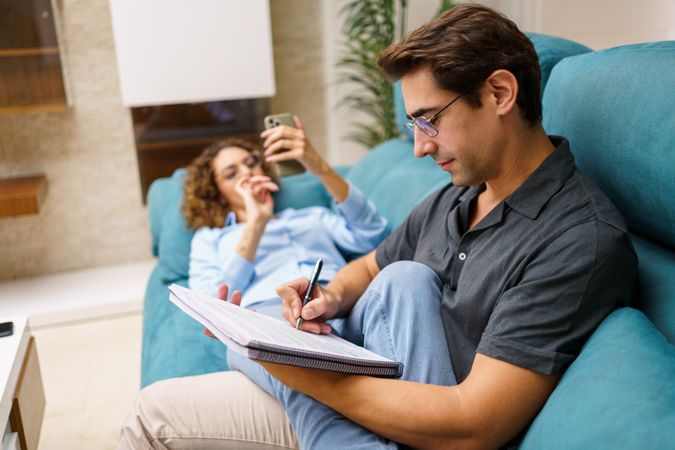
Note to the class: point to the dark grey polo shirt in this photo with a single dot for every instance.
(532, 280)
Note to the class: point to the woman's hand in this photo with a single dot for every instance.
(256, 192)
(321, 307)
(285, 143)
(223, 290)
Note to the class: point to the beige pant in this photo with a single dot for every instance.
(222, 410)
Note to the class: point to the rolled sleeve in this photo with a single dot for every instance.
(213, 262)
(355, 206)
(357, 227)
(237, 272)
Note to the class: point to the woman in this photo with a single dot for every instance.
(240, 242)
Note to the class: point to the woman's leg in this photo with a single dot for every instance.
(221, 410)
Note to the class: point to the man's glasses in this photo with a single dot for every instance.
(427, 125)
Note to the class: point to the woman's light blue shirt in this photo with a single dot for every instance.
(288, 249)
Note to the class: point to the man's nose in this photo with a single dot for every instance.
(424, 145)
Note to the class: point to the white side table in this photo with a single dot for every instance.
(23, 399)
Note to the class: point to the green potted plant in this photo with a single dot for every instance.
(369, 27)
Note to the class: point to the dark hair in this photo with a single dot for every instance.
(462, 47)
(203, 205)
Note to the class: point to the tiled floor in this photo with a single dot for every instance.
(91, 374)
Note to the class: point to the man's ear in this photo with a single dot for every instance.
(502, 91)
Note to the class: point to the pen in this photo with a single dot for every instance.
(308, 295)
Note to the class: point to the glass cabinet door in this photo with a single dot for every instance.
(31, 76)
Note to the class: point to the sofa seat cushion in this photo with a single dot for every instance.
(618, 394)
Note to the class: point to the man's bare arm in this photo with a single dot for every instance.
(352, 281)
(489, 408)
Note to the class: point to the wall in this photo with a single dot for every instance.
(93, 214)
(298, 65)
(608, 23)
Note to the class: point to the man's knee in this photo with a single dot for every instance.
(406, 275)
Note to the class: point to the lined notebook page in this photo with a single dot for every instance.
(250, 329)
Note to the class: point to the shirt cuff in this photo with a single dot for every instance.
(355, 205)
(238, 272)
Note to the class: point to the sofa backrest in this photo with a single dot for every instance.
(617, 108)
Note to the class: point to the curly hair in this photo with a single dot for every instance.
(203, 205)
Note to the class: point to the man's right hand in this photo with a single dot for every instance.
(321, 307)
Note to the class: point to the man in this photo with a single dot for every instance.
(490, 287)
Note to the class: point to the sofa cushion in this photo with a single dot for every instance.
(174, 246)
(616, 108)
(551, 50)
(618, 394)
(157, 200)
(394, 180)
(656, 278)
(173, 343)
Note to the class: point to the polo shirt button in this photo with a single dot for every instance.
(462, 256)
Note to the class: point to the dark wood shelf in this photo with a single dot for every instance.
(22, 195)
(44, 107)
(200, 142)
(33, 51)
(31, 75)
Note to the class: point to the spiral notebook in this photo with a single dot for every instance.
(265, 338)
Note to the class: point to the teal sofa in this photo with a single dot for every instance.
(617, 107)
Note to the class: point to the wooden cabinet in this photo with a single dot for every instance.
(31, 76)
(22, 396)
(29, 401)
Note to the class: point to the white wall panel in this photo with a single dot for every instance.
(180, 51)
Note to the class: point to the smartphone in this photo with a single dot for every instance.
(6, 329)
(283, 168)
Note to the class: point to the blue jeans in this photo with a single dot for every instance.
(399, 317)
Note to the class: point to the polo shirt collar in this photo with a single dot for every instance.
(544, 182)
